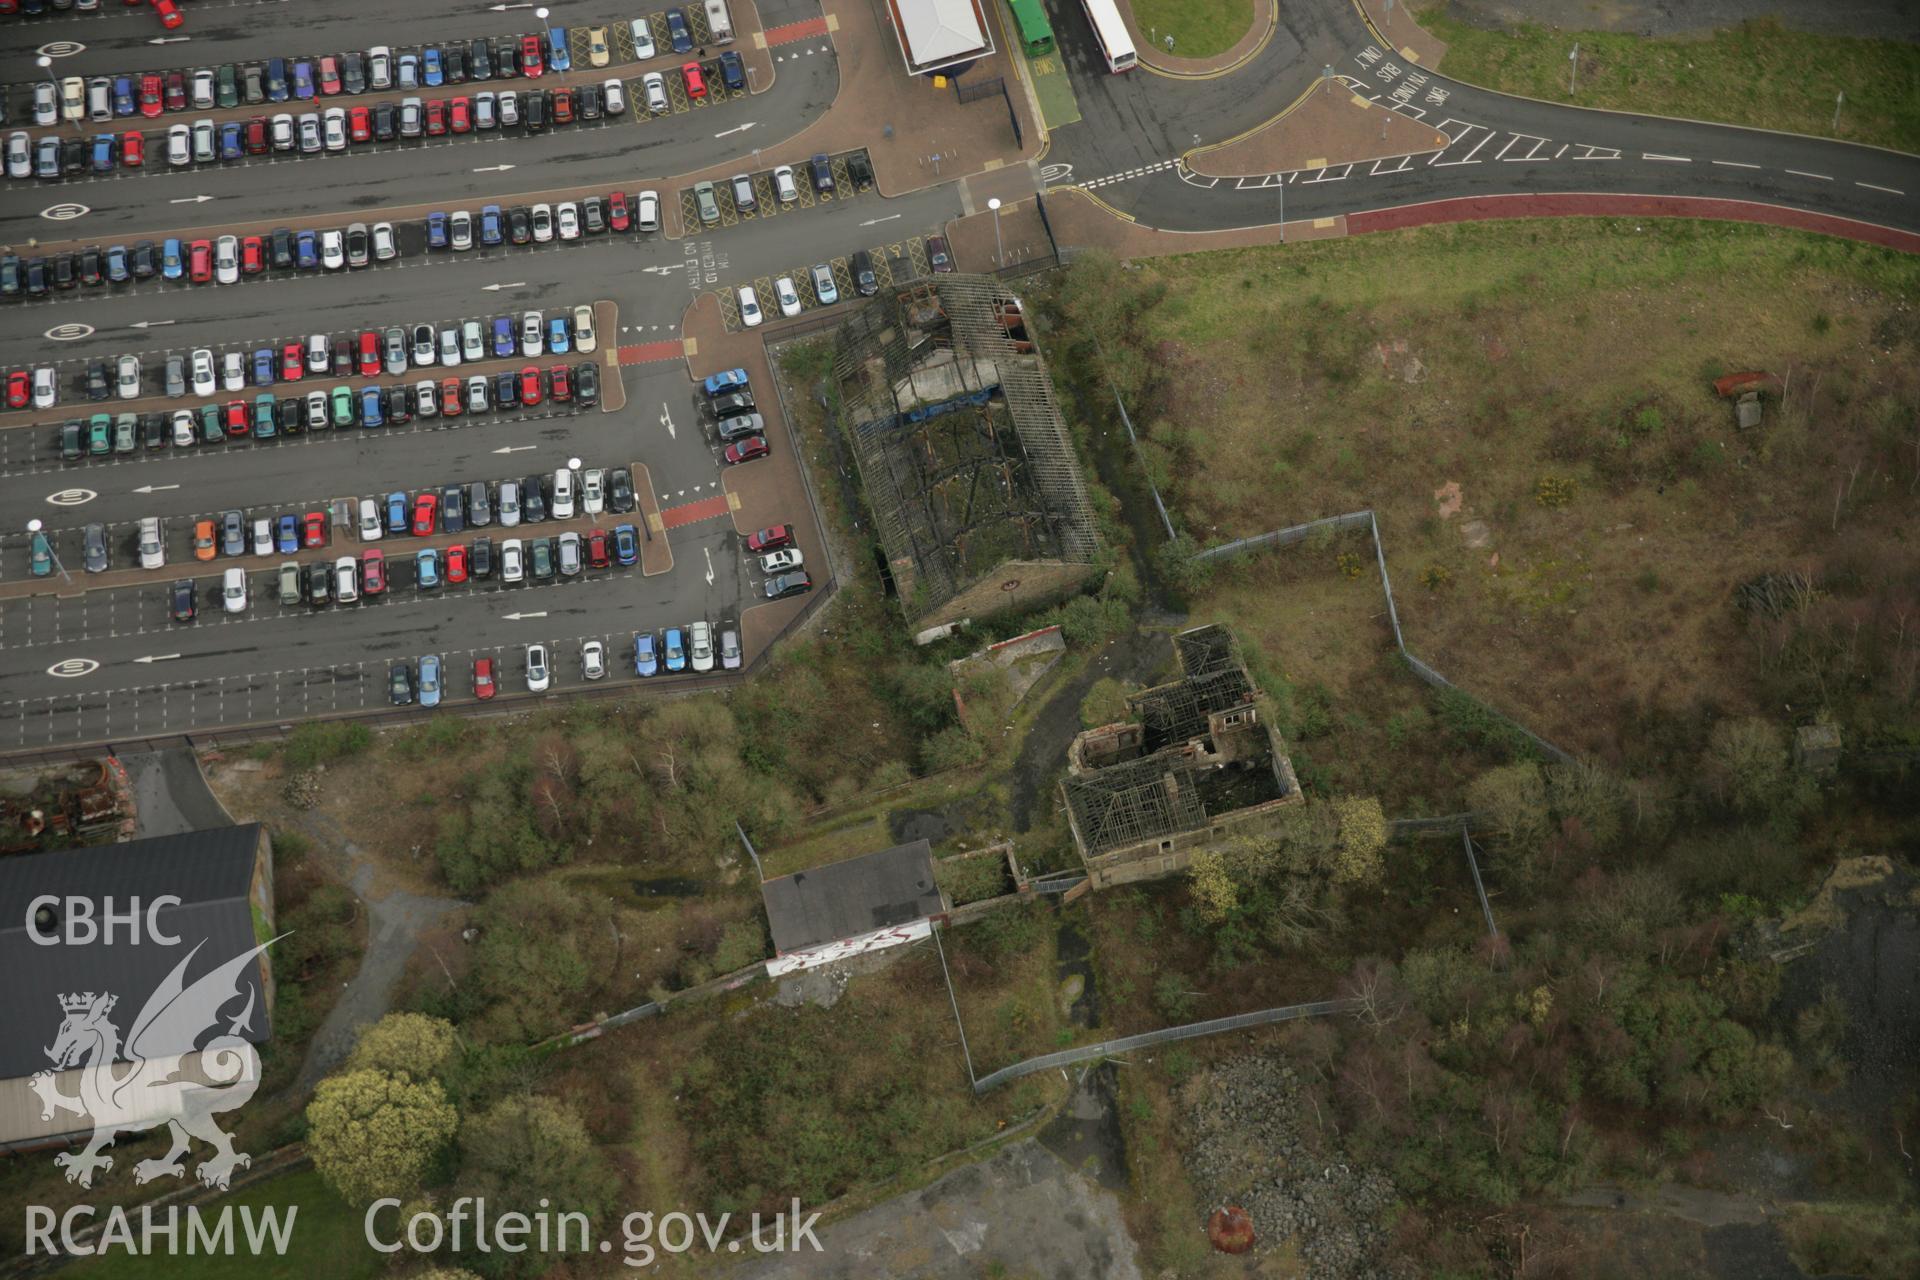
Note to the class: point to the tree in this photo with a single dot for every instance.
(532, 958)
(405, 1044)
(523, 1150)
(1748, 770)
(1363, 835)
(373, 1135)
(1215, 893)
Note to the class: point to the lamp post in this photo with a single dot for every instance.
(999, 255)
(33, 528)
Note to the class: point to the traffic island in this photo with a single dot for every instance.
(1151, 45)
(1327, 127)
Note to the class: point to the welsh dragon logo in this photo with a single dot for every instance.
(145, 1092)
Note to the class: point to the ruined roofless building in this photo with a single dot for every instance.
(1197, 765)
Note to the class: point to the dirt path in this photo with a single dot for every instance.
(395, 925)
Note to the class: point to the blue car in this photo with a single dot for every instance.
(436, 230)
(490, 225)
(372, 414)
(289, 536)
(306, 251)
(231, 147)
(721, 383)
(430, 679)
(303, 79)
(503, 343)
(396, 513)
(433, 70)
(103, 153)
(263, 367)
(679, 35)
(676, 650)
(123, 96)
(172, 265)
(117, 264)
(646, 662)
(426, 569)
(626, 544)
(276, 79)
(557, 335)
(558, 59)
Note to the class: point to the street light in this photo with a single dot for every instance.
(999, 257)
(33, 528)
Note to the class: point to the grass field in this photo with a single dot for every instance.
(1200, 28)
(1758, 73)
(327, 1242)
(1566, 505)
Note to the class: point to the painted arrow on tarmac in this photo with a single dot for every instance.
(155, 488)
(148, 324)
(736, 129)
(516, 448)
(495, 288)
(158, 657)
(493, 168)
(519, 617)
(191, 200)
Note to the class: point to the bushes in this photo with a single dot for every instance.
(1105, 703)
(325, 741)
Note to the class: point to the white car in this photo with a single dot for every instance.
(203, 90)
(562, 504)
(593, 660)
(19, 154)
(780, 561)
(385, 247)
(205, 149)
(180, 145)
(233, 591)
(614, 92)
(542, 223)
(460, 230)
(226, 260)
(335, 129)
(129, 379)
(700, 646)
(532, 334)
(425, 401)
(380, 67)
(509, 108)
(646, 213)
(567, 215)
(538, 676)
(473, 347)
(788, 296)
(450, 347)
(656, 87)
(46, 388)
(513, 560)
(317, 417)
(346, 580)
(263, 536)
(372, 528)
(333, 249)
(183, 428)
(311, 141)
(642, 32)
(201, 362)
(749, 306)
(506, 504)
(583, 339)
(319, 355)
(784, 188)
(153, 548)
(282, 130)
(46, 103)
(593, 491)
(233, 371)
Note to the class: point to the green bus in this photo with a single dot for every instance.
(1036, 33)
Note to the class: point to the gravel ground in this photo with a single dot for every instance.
(1243, 1146)
(1884, 19)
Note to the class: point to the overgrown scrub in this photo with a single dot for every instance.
(325, 741)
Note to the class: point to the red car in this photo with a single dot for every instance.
(169, 13)
(293, 362)
(530, 393)
(425, 508)
(560, 382)
(483, 678)
(696, 82)
(236, 417)
(456, 563)
(597, 557)
(329, 75)
(369, 354)
(747, 450)
(151, 94)
(563, 106)
(313, 530)
(619, 213)
(176, 91)
(253, 256)
(256, 136)
(133, 150)
(19, 389)
(436, 118)
(360, 125)
(200, 261)
(453, 398)
(460, 115)
(773, 539)
(373, 573)
(532, 61)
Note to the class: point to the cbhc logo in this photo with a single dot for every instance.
(52, 920)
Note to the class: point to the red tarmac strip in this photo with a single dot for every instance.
(648, 352)
(694, 512)
(1478, 208)
(793, 31)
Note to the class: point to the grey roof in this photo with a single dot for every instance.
(846, 899)
(935, 32)
(209, 871)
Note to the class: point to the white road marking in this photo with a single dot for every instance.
(1802, 173)
(1735, 164)
(1874, 186)
(1655, 155)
